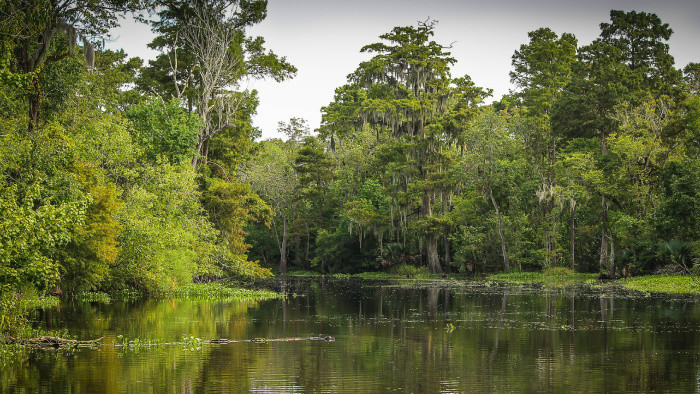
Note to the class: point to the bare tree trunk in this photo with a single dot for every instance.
(431, 240)
(572, 236)
(553, 236)
(604, 238)
(297, 236)
(283, 248)
(506, 261)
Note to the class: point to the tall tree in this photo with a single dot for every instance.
(629, 62)
(404, 91)
(273, 177)
(541, 69)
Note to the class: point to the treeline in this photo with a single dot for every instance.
(115, 173)
(592, 163)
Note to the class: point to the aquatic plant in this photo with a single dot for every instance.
(553, 277)
(93, 296)
(218, 291)
(670, 284)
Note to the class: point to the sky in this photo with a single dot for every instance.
(323, 38)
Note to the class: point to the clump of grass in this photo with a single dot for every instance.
(127, 294)
(558, 271)
(303, 273)
(405, 271)
(670, 284)
(376, 275)
(218, 291)
(40, 302)
(553, 277)
(93, 296)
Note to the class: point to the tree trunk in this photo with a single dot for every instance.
(572, 236)
(448, 260)
(611, 257)
(283, 248)
(506, 262)
(553, 236)
(198, 151)
(445, 235)
(604, 237)
(431, 240)
(297, 250)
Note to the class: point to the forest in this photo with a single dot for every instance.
(117, 173)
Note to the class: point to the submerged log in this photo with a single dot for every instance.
(49, 342)
(264, 340)
(56, 342)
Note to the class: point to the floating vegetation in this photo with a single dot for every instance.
(303, 273)
(219, 291)
(554, 277)
(126, 294)
(669, 284)
(93, 296)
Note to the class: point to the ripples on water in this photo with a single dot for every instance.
(406, 337)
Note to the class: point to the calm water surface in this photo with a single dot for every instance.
(389, 337)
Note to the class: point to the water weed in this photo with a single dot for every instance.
(670, 284)
(553, 278)
(218, 291)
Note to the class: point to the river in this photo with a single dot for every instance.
(389, 336)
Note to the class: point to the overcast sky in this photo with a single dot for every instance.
(322, 38)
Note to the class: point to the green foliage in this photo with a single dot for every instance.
(86, 259)
(166, 236)
(43, 205)
(164, 129)
(541, 78)
(15, 305)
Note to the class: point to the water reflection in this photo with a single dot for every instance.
(389, 337)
